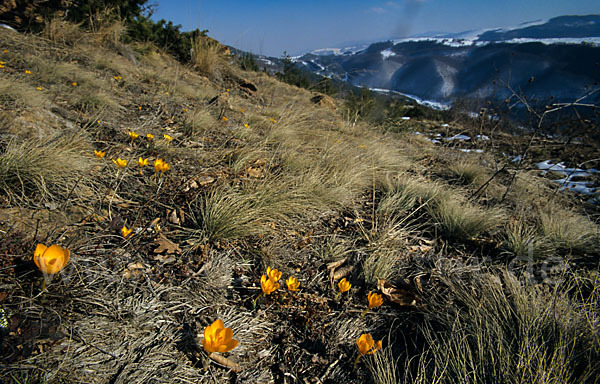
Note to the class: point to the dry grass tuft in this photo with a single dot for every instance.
(199, 122)
(16, 94)
(483, 328)
(383, 367)
(468, 172)
(379, 263)
(404, 193)
(224, 215)
(462, 220)
(522, 239)
(565, 229)
(206, 56)
(63, 32)
(51, 170)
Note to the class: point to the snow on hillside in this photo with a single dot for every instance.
(387, 53)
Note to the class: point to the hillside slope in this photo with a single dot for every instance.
(487, 273)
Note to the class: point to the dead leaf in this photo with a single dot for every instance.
(235, 367)
(335, 264)
(133, 269)
(403, 296)
(254, 172)
(342, 272)
(205, 180)
(173, 217)
(165, 259)
(164, 244)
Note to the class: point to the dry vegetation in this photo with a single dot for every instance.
(490, 289)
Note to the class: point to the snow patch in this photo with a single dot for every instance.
(387, 53)
(567, 183)
(428, 103)
(458, 137)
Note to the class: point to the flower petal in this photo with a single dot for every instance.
(39, 251)
(224, 335)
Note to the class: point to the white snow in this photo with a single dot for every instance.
(482, 137)
(583, 187)
(7, 27)
(318, 65)
(560, 168)
(556, 40)
(339, 51)
(447, 73)
(517, 159)
(458, 137)
(387, 53)
(428, 103)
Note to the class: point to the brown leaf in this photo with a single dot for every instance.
(167, 245)
(254, 172)
(337, 263)
(342, 272)
(403, 296)
(173, 217)
(181, 215)
(235, 367)
(205, 180)
(133, 269)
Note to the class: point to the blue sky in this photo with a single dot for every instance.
(272, 26)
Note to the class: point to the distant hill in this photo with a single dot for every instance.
(557, 58)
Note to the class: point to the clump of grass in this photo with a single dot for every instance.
(206, 55)
(486, 327)
(468, 172)
(199, 122)
(568, 230)
(333, 249)
(383, 367)
(405, 193)
(49, 170)
(379, 263)
(462, 220)
(93, 100)
(15, 94)
(62, 31)
(521, 239)
(108, 33)
(224, 215)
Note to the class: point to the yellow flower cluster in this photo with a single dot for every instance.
(161, 166)
(133, 135)
(269, 282)
(366, 346)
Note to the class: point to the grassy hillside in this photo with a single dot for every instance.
(488, 274)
